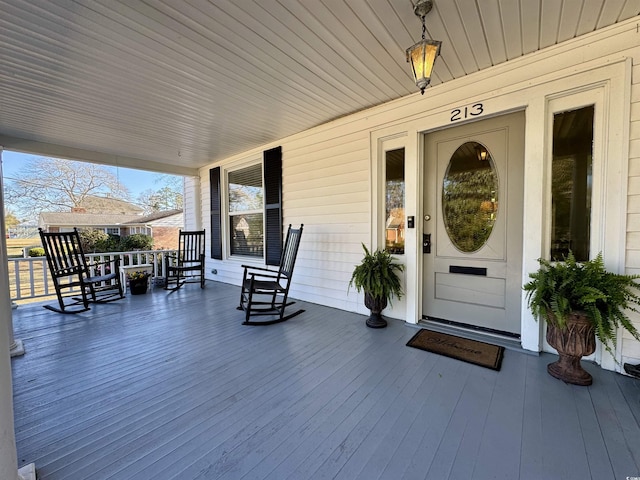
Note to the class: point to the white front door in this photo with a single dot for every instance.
(472, 242)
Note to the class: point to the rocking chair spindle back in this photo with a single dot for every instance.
(187, 265)
(71, 275)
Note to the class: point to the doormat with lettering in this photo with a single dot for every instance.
(471, 351)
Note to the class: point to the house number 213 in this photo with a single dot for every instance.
(463, 113)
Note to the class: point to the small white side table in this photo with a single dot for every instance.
(145, 267)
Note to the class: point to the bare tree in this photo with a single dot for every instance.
(56, 185)
(168, 197)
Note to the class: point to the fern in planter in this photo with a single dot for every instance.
(558, 289)
(377, 276)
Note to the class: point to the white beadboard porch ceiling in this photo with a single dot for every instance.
(187, 82)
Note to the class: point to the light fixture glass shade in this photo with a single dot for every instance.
(481, 152)
(422, 56)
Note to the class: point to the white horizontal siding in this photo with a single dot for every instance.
(326, 188)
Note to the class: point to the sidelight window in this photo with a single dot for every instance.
(571, 183)
(394, 201)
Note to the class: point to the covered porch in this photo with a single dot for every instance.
(173, 386)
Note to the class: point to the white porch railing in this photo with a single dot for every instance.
(29, 277)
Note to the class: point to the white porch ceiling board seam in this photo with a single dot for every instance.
(512, 28)
(591, 13)
(437, 30)
(550, 22)
(118, 62)
(317, 59)
(572, 12)
(472, 25)
(234, 48)
(395, 32)
(215, 63)
(631, 9)
(453, 22)
(611, 12)
(530, 21)
(494, 30)
(374, 44)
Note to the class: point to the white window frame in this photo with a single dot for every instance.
(226, 227)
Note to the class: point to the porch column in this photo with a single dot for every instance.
(191, 201)
(8, 453)
(15, 346)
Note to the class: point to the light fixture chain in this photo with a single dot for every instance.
(424, 28)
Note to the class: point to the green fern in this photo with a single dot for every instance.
(377, 275)
(557, 289)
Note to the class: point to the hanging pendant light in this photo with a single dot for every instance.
(481, 152)
(423, 54)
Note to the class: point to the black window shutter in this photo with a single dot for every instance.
(216, 213)
(273, 205)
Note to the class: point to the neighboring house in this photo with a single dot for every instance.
(101, 213)
(117, 217)
(114, 224)
(164, 227)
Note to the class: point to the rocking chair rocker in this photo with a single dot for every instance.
(97, 283)
(265, 291)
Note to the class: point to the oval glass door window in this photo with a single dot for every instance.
(470, 197)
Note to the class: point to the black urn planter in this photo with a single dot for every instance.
(138, 287)
(376, 305)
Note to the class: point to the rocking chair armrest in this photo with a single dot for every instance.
(263, 275)
(263, 269)
(260, 272)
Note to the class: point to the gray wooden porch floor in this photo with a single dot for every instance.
(164, 386)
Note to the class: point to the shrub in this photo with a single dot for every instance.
(97, 241)
(36, 252)
(110, 244)
(92, 240)
(137, 241)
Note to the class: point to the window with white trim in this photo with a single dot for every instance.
(142, 230)
(253, 206)
(394, 186)
(571, 182)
